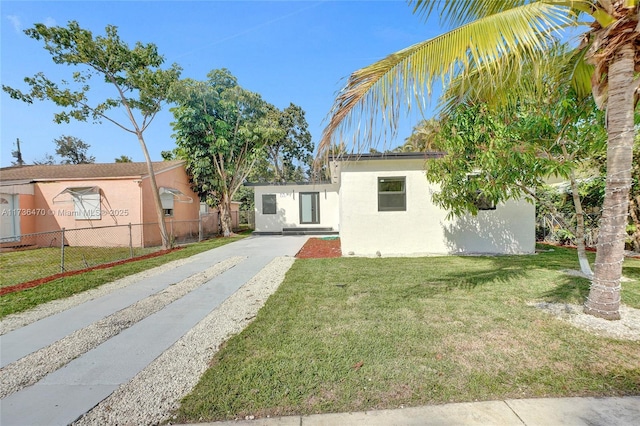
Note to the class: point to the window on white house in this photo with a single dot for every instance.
(392, 195)
(268, 203)
(483, 203)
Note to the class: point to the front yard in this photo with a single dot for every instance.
(352, 334)
(16, 268)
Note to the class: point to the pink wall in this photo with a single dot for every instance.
(27, 222)
(122, 201)
(175, 178)
(119, 205)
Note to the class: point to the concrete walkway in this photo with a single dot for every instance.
(64, 395)
(517, 412)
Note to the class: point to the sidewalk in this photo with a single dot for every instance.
(64, 395)
(530, 412)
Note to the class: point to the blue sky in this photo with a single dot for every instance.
(287, 51)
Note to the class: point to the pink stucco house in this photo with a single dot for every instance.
(43, 198)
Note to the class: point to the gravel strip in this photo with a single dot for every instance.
(626, 328)
(152, 395)
(33, 367)
(15, 321)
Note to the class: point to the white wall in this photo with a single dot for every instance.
(423, 228)
(288, 207)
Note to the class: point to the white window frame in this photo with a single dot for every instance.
(388, 194)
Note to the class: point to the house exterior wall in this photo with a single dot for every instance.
(288, 207)
(119, 205)
(26, 202)
(122, 200)
(422, 229)
(182, 211)
(18, 217)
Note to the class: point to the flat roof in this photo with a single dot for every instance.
(319, 182)
(387, 156)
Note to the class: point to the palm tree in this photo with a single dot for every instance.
(486, 31)
(422, 136)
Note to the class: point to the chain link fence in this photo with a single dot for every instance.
(39, 255)
(248, 218)
(552, 228)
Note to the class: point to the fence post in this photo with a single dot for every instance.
(130, 242)
(62, 252)
(200, 228)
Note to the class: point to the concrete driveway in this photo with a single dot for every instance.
(64, 395)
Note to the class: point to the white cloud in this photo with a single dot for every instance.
(15, 21)
(50, 22)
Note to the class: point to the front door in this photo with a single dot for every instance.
(309, 208)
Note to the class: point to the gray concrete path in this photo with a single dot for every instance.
(66, 394)
(517, 412)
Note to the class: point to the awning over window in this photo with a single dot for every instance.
(76, 192)
(178, 195)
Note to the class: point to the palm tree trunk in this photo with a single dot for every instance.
(604, 296)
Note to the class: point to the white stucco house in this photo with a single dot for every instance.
(381, 203)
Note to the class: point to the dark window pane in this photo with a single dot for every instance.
(483, 203)
(387, 185)
(391, 194)
(268, 204)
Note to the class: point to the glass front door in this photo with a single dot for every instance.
(309, 207)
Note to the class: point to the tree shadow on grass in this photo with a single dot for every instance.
(481, 272)
(573, 290)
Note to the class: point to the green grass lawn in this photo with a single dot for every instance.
(353, 334)
(27, 265)
(65, 287)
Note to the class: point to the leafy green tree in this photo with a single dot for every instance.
(124, 159)
(498, 156)
(287, 159)
(484, 33)
(73, 150)
(169, 155)
(140, 85)
(291, 154)
(543, 109)
(221, 129)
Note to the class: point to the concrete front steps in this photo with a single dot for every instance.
(302, 231)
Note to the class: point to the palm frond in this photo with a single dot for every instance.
(370, 103)
(581, 72)
(514, 78)
(454, 13)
